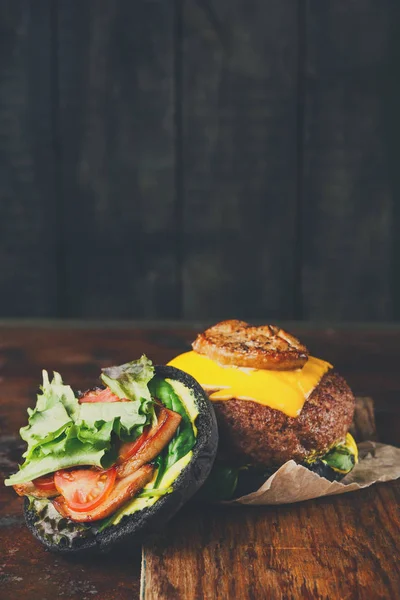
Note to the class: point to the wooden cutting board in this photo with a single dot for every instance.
(333, 547)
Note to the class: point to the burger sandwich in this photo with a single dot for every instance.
(273, 402)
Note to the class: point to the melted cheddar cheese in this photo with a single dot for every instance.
(283, 390)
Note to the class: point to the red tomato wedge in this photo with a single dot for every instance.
(123, 490)
(45, 483)
(99, 395)
(84, 489)
(129, 448)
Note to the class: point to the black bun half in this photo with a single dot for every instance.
(134, 528)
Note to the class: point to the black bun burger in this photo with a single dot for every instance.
(116, 462)
(273, 402)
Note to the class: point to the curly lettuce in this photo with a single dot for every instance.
(63, 433)
(130, 380)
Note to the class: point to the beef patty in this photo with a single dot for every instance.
(251, 433)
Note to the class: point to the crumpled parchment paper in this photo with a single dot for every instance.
(294, 483)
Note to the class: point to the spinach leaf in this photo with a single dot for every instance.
(159, 464)
(184, 438)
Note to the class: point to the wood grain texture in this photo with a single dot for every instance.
(28, 248)
(39, 575)
(348, 194)
(239, 76)
(116, 118)
(342, 547)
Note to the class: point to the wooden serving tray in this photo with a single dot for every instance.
(316, 549)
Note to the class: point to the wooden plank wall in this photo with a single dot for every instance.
(239, 70)
(348, 195)
(117, 135)
(200, 159)
(28, 224)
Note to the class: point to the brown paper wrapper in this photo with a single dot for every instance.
(294, 483)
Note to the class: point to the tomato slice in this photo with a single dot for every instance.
(99, 395)
(45, 483)
(85, 489)
(128, 449)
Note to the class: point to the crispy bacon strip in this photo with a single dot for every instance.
(30, 489)
(159, 436)
(122, 492)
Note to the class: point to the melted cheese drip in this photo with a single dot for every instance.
(283, 390)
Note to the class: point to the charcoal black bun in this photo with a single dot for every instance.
(134, 528)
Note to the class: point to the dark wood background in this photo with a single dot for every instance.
(200, 159)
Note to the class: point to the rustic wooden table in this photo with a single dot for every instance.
(339, 547)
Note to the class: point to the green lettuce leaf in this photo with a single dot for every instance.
(55, 407)
(79, 454)
(130, 380)
(62, 433)
(125, 417)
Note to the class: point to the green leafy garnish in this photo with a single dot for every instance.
(131, 379)
(62, 433)
(184, 438)
(340, 458)
(121, 417)
(52, 415)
